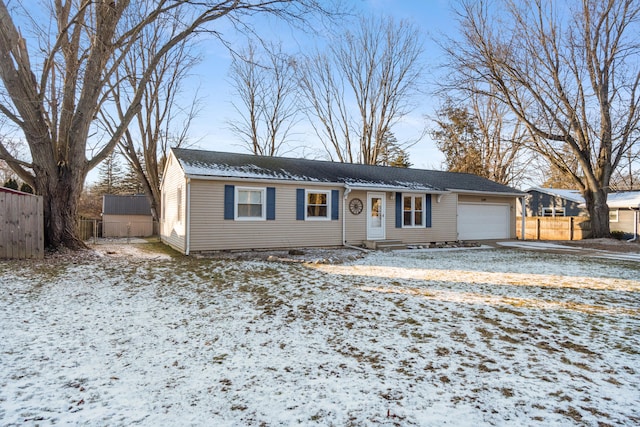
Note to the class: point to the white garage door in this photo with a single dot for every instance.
(479, 221)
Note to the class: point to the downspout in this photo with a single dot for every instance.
(523, 220)
(347, 190)
(187, 216)
(636, 214)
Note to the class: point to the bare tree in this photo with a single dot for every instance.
(375, 68)
(54, 93)
(627, 176)
(160, 122)
(502, 140)
(570, 75)
(14, 148)
(266, 91)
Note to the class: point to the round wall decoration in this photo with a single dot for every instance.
(355, 206)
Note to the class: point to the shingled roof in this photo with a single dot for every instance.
(125, 205)
(200, 163)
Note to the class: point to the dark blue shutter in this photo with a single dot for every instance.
(335, 204)
(300, 204)
(229, 194)
(398, 210)
(271, 203)
(427, 210)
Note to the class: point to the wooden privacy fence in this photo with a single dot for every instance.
(21, 225)
(554, 228)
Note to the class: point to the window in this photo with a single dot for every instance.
(250, 203)
(552, 211)
(613, 215)
(413, 211)
(179, 204)
(317, 205)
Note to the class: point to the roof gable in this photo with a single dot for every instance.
(571, 195)
(200, 163)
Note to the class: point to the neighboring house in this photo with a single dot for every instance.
(224, 201)
(554, 202)
(623, 206)
(624, 212)
(126, 216)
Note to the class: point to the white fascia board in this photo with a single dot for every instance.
(488, 193)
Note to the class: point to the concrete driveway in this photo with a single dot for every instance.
(573, 249)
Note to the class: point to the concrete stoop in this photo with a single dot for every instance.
(384, 245)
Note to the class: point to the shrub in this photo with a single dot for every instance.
(620, 235)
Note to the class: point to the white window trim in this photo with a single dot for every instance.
(306, 201)
(554, 212)
(413, 210)
(179, 205)
(236, 199)
(617, 215)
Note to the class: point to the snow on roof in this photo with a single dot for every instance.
(624, 199)
(234, 165)
(572, 195)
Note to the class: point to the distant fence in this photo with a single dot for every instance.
(93, 228)
(554, 228)
(21, 226)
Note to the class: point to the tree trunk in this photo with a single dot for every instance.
(61, 192)
(596, 202)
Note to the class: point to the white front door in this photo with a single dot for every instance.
(375, 216)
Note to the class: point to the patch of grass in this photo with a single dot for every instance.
(570, 412)
(506, 392)
(510, 311)
(409, 321)
(442, 351)
(157, 247)
(509, 339)
(486, 334)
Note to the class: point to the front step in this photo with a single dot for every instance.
(384, 245)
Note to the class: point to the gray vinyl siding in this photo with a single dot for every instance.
(209, 231)
(172, 224)
(511, 201)
(538, 201)
(625, 221)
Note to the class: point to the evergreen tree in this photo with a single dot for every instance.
(110, 176)
(26, 188)
(392, 153)
(11, 183)
(131, 183)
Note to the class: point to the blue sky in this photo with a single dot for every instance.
(210, 129)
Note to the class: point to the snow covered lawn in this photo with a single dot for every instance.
(429, 338)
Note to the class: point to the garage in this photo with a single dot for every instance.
(483, 221)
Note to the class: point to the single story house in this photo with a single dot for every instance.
(225, 201)
(554, 202)
(126, 216)
(624, 212)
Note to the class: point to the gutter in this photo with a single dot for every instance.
(636, 218)
(347, 190)
(523, 220)
(187, 215)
